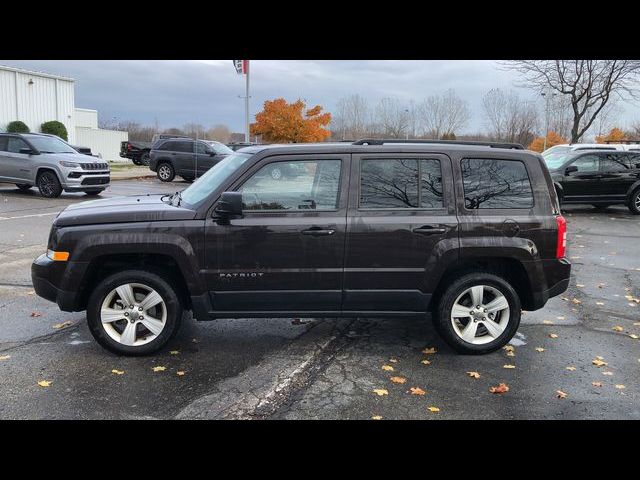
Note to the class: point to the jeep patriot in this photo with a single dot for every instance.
(467, 233)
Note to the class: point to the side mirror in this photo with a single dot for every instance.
(211, 153)
(25, 151)
(570, 169)
(229, 206)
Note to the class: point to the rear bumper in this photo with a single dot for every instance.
(558, 275)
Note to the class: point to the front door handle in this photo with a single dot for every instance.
(318, 232)
(429, 230)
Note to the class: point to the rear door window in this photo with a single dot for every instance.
(493, 183)
(614, 162)
(15, 144)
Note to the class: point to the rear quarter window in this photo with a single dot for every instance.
(494, 183)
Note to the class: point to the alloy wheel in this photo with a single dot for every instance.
(133, 314)
(165, 172)
(480, 314)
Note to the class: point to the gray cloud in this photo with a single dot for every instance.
(175, 92)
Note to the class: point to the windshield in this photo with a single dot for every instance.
(556, 160)
(50, 145)
(220, 148)
(556, 149)
(214, 177)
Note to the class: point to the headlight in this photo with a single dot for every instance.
(69, 164)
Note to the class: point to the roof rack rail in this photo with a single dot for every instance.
(627, 142)
(377, 141)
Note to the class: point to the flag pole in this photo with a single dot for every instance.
(246, 106)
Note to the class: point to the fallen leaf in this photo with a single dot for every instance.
(159, 369)
(596, 384)
(45, 383)
(620, 387)
(194, 340)
(393, 360)
(58, 326)
(433, 409)
(576, 301)
(547, 322)
(560, 394)
(473, 374)
(174, 352)
(553, 335)
(398, 379)
(376, 417)
(388, 368)
(508, 348)
(599, 303)
(502, 388)
(607, 373)
(417, 391)
(429, 351)
(380, 392)
(180, 373)
(539, 349)
(579, 285)
(636, 324)
(426, 362)
(561, 317)
(36, 314)
(117, 372)
(511, 354)
(5, 357)
(571, 369)
(509, 366)
(32, 292)
(634, 336)
(599, 363)
(618, 328)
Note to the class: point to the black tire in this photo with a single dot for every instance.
(601, 206)
(49, 185)
(149, 279)
(442, 318)
(144, 159)
(634, 202)
(94, 192)
(136, 161)
(24, 186)
(166, 172)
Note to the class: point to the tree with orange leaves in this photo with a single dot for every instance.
(552, 139)
(282, 122)
(615, 135)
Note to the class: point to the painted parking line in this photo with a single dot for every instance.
(30, 216)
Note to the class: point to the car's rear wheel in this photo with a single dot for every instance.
(24, 186)
(166, 173)
(134, 312)
(478, 313)
(144, 159)
(49, 185)
(634, 202)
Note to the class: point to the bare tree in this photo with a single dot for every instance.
(444, 114)
(219, 133)
(392, 118)
(195, 130)
(588, 84)
(352, 117)
(509, 118)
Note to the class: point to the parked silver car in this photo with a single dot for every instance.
(46, 161)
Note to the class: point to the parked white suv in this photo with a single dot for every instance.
(572, 147)
(46, 161)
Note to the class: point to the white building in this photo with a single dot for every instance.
(37, 97)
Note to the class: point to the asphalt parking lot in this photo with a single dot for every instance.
(577, 358)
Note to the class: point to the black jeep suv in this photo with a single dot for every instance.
(596, 177)
(185, 157)
(470, 233)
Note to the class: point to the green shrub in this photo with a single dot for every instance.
(17, 127)
(55, 128)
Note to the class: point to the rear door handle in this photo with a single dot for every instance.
(429, 230)
(318, 232)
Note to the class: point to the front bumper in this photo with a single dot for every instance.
(49, 277)
(80, 181)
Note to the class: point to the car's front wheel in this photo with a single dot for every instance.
(478, 313)
(144, 159)
(634, 202)
(166, 173)
(133, 312)
(49, 185)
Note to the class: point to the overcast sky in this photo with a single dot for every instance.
(176, 92)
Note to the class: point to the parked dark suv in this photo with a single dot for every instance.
(470, 233)
(600, 178)
(185, 157)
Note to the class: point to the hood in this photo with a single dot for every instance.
(74, 157)
(137, 208)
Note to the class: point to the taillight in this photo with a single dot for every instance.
(129, 147)
(561, 247)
